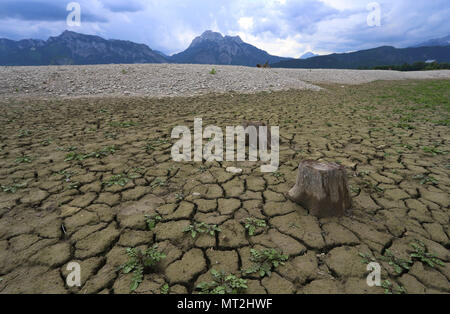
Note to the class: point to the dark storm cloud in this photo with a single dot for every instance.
(29, 10)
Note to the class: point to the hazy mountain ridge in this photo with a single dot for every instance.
(75, 48)
(385, 55)
(444, 41)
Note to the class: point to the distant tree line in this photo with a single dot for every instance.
(416, 66)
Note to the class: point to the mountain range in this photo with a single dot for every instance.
(444, 41)
(74, 48)
(213, 48)
(385, 55)
(208, 48)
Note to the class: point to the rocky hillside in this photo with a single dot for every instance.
(213, 48)
(75, 48)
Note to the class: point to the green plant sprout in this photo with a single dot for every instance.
(23, 159)
(13, 188)
(223, 284)
(251, 224)
(421, 253)
(164, 289)
(139, 261)
(118, 179)
(265, 261)
(202, 227)
(398, 264)
(152, 220)
(389, 288)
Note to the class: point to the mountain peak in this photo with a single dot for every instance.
(308, 55)
(210, 35)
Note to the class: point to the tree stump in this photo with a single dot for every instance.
(322, 188)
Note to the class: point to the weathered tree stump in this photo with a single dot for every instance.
(322, 188)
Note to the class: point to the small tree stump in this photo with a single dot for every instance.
(322, 188)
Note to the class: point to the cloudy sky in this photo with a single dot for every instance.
(282, 27)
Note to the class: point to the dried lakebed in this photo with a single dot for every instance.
(79, 176)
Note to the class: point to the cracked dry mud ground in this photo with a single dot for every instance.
(393, 137)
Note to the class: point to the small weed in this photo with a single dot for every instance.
(179, 197)
(355, 190)
(24, 133)
(421, 253)
(251, 224)
(445, 122)
(152, 220)
(13, 188)
(405, 126)
(365, 258)
(74, 156)
(46, 142)
(223, 284)
(278, 174)
(398, 264)
(389, 288)
(424, 179)
(118, 179)
(202, 227)
(164, 289)
(158, 182)
(139, 261)
(23, 159)
(213, 71)
(104, 152)
(433, 150)
(265, 261)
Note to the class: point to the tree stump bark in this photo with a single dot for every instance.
(322, 188)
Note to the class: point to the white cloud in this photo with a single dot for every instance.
(282, 27)
(246, 23)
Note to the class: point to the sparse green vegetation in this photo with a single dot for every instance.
(23, 159)
(152, 220)
(366, 258)
(278, 174)
(421, 254)
(424, 179)
(202, 228)
(118, 179)
(139, 261)
(265, 261)
(213, 71)
(223, 283)
(251, 224)
(13, 188)
(165, 289)
(158, 182)
(24, 133)
(398, 264)
(433, 150)
(390, 289)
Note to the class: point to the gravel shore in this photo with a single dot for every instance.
(159, 80)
